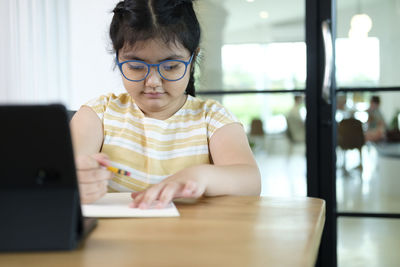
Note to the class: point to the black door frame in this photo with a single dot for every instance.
(320, 124)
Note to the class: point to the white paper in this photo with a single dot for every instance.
(116, 205)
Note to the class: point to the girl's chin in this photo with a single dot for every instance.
(153, 103)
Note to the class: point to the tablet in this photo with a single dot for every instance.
(39, 194)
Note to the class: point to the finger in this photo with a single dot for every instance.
(87, 198)
(149, 196)
(168, 193)
(93, 176)
(135, 194)
(92, 188)
(92, 161)
(137, 197)
(101, 158)
(86, 162)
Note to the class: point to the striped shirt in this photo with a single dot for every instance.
(152, 149)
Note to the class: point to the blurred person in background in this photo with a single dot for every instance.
(295, 123)
(376, 124)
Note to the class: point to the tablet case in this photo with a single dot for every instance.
(39, 197)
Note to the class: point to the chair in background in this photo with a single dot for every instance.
(256, 127)
(256, 136)
(350, 135)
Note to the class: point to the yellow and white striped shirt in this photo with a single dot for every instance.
(152, 149)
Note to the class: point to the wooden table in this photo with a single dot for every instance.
(220, 231)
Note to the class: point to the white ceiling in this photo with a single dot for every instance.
(241, 16)
(244, 14)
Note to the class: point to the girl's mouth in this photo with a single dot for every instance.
(153, 94)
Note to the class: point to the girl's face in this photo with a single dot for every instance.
(156, 97)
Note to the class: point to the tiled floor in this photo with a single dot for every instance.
(376, 188)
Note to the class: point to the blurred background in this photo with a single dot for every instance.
(253, 59)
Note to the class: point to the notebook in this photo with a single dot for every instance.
(39, 197)
(116, 205)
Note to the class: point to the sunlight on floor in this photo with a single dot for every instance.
(282, 167)
(372, 188)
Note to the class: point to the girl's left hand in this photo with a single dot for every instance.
(166, 191)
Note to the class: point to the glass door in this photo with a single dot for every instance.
(260, 57)
(253, 60)
(368, 86)
(353, 150)
(271, 64)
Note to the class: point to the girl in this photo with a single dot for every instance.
(172, 143)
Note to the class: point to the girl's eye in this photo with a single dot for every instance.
(170, 66)
(136, 66)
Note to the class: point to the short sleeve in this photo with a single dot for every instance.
(218, 116)
(99, 105)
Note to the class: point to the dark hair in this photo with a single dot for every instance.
(168, 20)
(376, 99)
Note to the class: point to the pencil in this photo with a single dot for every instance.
(117, 170)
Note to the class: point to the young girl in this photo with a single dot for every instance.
(172, 143)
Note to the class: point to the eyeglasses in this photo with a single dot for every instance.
(170, 70)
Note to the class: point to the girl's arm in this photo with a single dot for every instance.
(87, 139)
(86, 131)
(234, 172)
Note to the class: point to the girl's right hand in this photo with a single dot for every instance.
(92, 176)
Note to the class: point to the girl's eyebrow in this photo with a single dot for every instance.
(133, 57)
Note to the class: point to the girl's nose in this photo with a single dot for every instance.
(154, 78)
